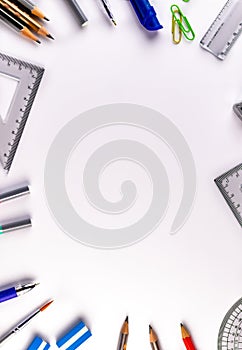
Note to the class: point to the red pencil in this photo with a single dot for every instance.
(186, 337)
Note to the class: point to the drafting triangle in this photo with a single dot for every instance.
(29, 77)
(8, 87)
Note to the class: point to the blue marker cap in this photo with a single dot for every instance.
(38, 344)
(146, 14)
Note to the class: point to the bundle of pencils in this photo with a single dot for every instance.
(21, 15)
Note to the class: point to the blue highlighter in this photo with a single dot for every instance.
(146, 14)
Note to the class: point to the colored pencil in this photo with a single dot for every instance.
(187, 339)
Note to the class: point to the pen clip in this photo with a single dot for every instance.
(182, 22)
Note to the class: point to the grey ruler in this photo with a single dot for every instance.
(225, 29)
(238, 109)
(230, 333)
(28, 77)
(230, 185)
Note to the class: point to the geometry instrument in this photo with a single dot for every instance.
(28, 77)
(14, 193)
(38, 344)
(16, 225)
(230, 185)
(225, 29)
(24, 322)
(238, 109)
(16, 291)
(230, 333)
(74, 338)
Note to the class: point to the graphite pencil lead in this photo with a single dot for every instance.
(127, 319)
(150, 328)
(50, 36)
(47, 19)
(38, 41)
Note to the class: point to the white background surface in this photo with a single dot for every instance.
(194, 276)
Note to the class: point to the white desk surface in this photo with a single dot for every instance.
(193, 276)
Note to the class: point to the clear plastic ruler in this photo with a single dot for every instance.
(28, 77)
(230, 185)
(225, 29)
(230, 333)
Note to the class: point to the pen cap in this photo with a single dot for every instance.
(146, 14)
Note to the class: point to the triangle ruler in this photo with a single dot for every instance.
(230, 185)
(28, 77)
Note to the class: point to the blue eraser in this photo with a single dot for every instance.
(75, 337)
(38, 344)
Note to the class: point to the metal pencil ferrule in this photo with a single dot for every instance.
(182, 22)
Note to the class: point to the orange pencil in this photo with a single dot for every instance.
(187, 338)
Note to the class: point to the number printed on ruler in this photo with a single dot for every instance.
(28, 77)
(230, 185)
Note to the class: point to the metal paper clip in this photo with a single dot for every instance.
(173, 29)
(182, 22)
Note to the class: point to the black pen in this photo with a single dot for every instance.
(107, 7)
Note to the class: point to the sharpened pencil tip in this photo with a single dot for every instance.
(47, 19)
(114, 22)
(150, 328)
(127, 319)
(38, 41)
(181, 325)
(50, 36)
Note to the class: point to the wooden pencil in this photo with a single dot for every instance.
(31, 8)
(6, 16)
(187, 339)
(124, 335)
(153, 339)
(25, 18)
